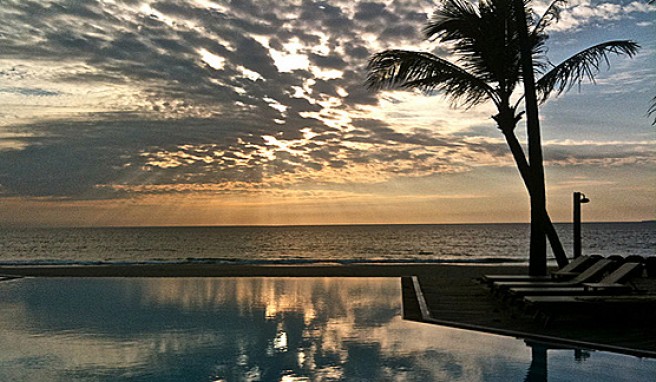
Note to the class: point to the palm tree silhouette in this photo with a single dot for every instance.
(486, 42)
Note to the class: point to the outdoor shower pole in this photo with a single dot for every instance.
(578, 199)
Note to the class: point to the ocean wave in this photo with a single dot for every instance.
(234, 261)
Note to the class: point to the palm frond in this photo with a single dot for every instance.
(582, 66)
(481, 37)
(454, 20)
(652, 110)
(538, 36)
(552, 14)
(426, 72)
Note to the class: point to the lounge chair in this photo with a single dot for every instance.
(582, 302)
(567, 272)
(617, 279)
(574, 268)
(623, 306)
(650, 264)
(593, 273)
(9, 277)
(634, 259)
(615, 282)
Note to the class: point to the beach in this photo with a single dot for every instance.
(439, 271)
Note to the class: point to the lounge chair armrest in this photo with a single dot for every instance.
(597, 286)
(563, 275)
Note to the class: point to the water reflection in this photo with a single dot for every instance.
(538, 371)
(256, 329)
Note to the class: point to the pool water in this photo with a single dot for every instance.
(261, 329)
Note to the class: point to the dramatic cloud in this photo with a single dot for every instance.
(601, 153)
(106, 99)
(201, 93)
(88, 158)
(579, 13)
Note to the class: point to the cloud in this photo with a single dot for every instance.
(579, 13)
(105, 155)
(603, 154)
(103, 99)
(29, 91)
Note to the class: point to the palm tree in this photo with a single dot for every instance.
(486, 41)
(538, 248)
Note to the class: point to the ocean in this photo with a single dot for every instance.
(275, 328)
(470, 243)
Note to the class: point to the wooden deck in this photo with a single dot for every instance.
(464, 303)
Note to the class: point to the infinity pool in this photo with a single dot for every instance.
(261, 329)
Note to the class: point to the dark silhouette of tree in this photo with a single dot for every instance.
(486, 41)
(652, 108)
(537, 264)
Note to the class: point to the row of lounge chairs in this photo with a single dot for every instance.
(8, 277)
(587, 284)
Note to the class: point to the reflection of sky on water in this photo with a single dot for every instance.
(252, 329)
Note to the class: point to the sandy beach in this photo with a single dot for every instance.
(441, 271)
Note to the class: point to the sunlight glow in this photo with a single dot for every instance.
(326, 74)
(288, 62)
(215, 61)
(212, 5)
(274, 104)
(149, 11)
(304, 92)
(290, 58)
(408, 111)
(250, 74)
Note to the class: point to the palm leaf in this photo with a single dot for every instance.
(552, 14)
(481, 37)
(455, 20)
(538, 37)
(426, 72)
(652, 110)
(581, 66)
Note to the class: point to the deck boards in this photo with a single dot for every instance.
(465, 303)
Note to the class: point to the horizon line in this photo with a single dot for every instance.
(2, 226)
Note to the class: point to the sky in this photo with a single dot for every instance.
(199, 112)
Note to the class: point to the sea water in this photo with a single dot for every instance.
(274, 329)
(473, 243)
(261, 329)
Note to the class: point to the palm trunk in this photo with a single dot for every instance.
(525, 172)
(538, 250)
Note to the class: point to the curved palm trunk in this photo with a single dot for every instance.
(538, 251)
(525, 172)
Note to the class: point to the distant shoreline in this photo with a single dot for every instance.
(225, 270)
(306, 225)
